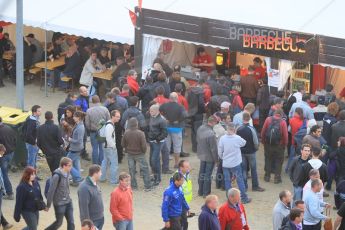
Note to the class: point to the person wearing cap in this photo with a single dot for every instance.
(229, 150)
(36, 47)
(203, 60)
(320, 110)
(232, 214)
(207, 154)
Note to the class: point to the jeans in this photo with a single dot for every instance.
(144, 168)
(219, 175)
(53, 161)
(291, 156)
(4, 162)
(204, 180)
(124, 225)
(274, 158)
(155, 160)
(196, 121)
(238, 172)
(31, 220)
(97, 149)
(32, 155)
(75, 171)
(249, 161)
(297, 194)
(62, 211)
(99, 223)
(110, 158)
(165, 157)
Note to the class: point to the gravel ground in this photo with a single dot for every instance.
(147, 205)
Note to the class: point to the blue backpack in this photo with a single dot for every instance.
(47, 186)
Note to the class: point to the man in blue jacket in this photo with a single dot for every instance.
(173, 203)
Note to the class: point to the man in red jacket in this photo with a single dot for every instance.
(274, 136)
(232, 214)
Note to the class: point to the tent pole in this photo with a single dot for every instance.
(45, 59)
(20, 56)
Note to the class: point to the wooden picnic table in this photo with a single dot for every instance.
(105, 75)
(51, 65)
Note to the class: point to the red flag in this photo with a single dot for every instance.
(140, 4)
(133, 17)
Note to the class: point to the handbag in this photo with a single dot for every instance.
(40, 205)
(328, 223)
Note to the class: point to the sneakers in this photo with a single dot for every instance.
(258, 189)
(183, 154)
(247, 201)
(8, 197)
(168, 172)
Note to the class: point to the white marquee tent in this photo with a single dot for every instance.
(109, 19)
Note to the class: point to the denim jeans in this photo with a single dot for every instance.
(124, 225)
(238, 172)
(31, 220)
(297, 194)
(204, 180)
(97, 149)
(291, 156)
(249, 161)
(165, 157)
(110, 158)
(62, 211)
(155, 160)
(4, 162)
(144, 168)
(75, 171)
(32, 155)
(99, 223)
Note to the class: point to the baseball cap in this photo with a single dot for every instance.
(225, 105)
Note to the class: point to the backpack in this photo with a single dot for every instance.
(298, 138)
(23, 129)
(100, 135)
(48, 181)
(273, 134)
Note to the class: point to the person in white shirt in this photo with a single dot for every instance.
(300, 91)
(110, 151)
(313, 174)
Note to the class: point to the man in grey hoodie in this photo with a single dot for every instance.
(59, 195)
(90, 198)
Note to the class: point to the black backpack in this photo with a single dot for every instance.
(273, 134)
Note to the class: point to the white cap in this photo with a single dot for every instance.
(225, 105)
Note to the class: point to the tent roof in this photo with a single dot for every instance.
(109, 19)
(310, 16)
(102, 19)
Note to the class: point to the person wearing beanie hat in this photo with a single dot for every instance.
(320, 110)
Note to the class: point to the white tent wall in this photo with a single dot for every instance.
(38, 32)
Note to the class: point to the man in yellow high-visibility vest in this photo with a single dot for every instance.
(187, 187)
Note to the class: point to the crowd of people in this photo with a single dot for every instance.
(228, 116)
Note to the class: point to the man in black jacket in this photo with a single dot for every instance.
(70, 99)
(296, 171)
(248, 151)
(8, 139)
(338, 129)
(157, 132)
(49, 140)
(30, 135)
